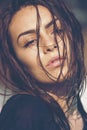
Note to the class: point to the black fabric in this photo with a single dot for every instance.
(26, 112)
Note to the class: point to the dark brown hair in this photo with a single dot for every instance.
(14, 74)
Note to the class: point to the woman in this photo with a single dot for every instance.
(42, 62)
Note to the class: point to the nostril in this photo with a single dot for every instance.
(55, 46)
(51, 47)
(48, 49)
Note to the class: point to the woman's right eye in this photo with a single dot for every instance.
(30, 43)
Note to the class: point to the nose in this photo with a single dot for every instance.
(47, 42)
(49, 48)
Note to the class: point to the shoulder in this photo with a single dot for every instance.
(26, 102)
(24, 112)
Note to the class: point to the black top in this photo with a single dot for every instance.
(26, 112)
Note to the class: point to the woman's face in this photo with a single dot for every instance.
(22, 30)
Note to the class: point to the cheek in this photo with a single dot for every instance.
(27, 57)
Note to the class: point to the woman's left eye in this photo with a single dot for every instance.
(58, 31)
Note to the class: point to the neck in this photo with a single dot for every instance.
(59, 89)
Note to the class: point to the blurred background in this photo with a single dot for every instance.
(79, 8)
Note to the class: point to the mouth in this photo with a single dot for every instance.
(55, 62)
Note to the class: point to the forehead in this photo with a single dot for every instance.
(26, 18)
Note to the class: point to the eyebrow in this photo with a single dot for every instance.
(34, 31)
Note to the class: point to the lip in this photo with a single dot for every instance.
(55, 62)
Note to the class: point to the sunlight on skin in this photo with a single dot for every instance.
(48, 55)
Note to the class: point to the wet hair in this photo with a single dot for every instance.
(15, 75)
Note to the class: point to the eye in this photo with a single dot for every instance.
(30, 43)
(58, 31)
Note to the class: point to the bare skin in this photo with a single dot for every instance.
(49, 56)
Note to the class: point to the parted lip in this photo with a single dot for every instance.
(55, 61)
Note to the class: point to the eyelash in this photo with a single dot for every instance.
(29, 43)
(58, 31)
